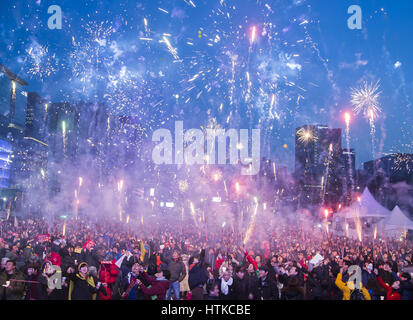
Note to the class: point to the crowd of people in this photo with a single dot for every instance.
(101, 259)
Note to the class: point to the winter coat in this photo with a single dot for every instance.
(240, 288)
(390, 293)
(56, 294)
(347, 291)
(55, 259)
(90, 257)
(32, 289)
(198, 275)
(268, 289)
(157, 288)
(406, 288)
(176, 268)
(292, 293)
(184, 284)
(16, 289)
(82, 288)
(67, 261)
(136, 293)
(252, 287)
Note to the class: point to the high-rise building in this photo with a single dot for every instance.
(62, 131)
(317, 153)
(347, 170)
(13, 103)
(398, 167)
(390, 180)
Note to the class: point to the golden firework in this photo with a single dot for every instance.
(306, 135)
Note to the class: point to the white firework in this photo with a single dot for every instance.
(366, 99)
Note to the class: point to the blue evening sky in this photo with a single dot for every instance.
(299, 70)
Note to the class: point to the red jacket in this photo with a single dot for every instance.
(108, 274)
(218, 263)
(54, 259)
(158, 287)
(390, 295)
(251, 260)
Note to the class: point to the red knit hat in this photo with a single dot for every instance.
(91, 242)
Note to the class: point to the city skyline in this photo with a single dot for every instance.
(298, 72)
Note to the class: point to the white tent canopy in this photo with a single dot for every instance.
(366, 207)
(398, 219)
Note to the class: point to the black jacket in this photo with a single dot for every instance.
(240, 288)
(56, 294)
(252, 286)
(67, 261)
(137, 293)
(82, 290)
(268, 289)
(197, 275)
(90, 257)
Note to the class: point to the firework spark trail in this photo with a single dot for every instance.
(193, 213)
(252, 223)
(350, 168)
(64, 137)
(366, 100)
(120, 188)
(372, 134)
(325, 178)
(171, 49)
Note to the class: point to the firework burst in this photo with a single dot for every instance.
(41, 63)
(366, 99)
(403, 162)
(306, 135)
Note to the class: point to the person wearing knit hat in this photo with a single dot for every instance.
(83, 286)
(89, 254)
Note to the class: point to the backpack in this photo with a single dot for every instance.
(356, 294)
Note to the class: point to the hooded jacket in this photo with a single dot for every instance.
(82, 288)
(347, 291)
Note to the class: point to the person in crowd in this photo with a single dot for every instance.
(393, 291)
(32, 288)
(177, 269)
(198, 275)
(159, 284)
(47, 290)
(82, 285)
(212, 291)
(11, 282)
(129, 286)
(267, 287)
(349, 289)
(225, 283)
(184, 284)
(278, 263)
(240, 285)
